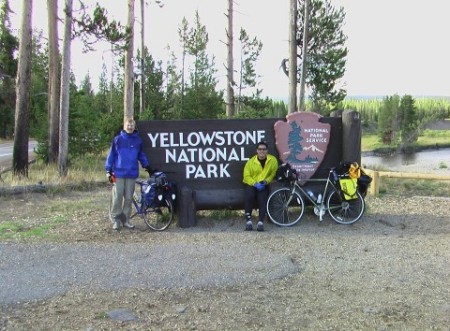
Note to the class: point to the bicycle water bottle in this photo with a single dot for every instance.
(319, 198)
(311, 195)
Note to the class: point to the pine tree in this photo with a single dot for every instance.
(250, 51)
(409, 123)
(202, 100)
(326, 53)
(388, 120)
(294, 142)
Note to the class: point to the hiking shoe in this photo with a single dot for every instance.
(116, 225)
(260, 226)
(249, 226)
(128, 225)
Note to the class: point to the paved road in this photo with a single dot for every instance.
(6, 152)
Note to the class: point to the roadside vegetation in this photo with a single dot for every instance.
(428, 139)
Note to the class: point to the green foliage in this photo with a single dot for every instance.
(95, 27)
(255, 107)
(427, 110)
(408, 120)
(154, 102)
(250, 51)
(9, 44)
(388, 120)
(200, 98)
(326, 54)
(38, 93)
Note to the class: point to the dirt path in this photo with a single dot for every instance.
(390, 271)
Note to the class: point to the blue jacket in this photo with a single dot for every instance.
(125, 152)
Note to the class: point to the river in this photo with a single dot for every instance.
(427, 161)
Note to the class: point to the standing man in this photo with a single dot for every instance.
(259, 171)
(122, 164)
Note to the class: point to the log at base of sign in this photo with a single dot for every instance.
(187, 208)
(192, 200)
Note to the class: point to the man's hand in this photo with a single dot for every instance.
(110, 177)
(260, 186)
(150, 171)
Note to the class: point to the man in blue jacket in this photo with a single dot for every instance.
(122, 166)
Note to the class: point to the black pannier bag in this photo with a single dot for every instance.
(363, 183)
(285, 173)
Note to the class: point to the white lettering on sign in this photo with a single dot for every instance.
(316, 135)
(206, 154)
(192, 155)
(210, 170)
(215, 138)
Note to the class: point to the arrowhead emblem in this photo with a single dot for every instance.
(302, 142)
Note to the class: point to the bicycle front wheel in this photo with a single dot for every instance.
(159, 218)
(285, 209)
(345, 211)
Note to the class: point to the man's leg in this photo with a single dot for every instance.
(262, 197)
(249, 200)
(117, 202)
(128, 195)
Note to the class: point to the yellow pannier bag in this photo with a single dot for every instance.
(348, 188)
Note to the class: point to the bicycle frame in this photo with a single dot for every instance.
(321, 206)
(138, 201)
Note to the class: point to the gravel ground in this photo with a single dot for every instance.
(389, 271)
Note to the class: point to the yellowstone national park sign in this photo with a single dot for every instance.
(212, 153)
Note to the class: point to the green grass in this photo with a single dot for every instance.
(409, 187)
(370, 142)
(19, 230)
(429, 138)
(434, 137)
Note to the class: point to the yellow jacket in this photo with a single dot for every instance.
(254, 173)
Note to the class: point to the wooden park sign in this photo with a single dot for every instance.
(206, 158)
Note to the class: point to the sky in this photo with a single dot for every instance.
(395, 46)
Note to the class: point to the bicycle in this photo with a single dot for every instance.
(285, 206)
(153, 200)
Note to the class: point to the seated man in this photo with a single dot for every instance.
(259, 171)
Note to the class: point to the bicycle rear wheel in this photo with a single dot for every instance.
(284, 209)
(159, 218)
(345, 211)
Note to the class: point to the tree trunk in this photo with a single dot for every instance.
(53, 81)
(292, 103)
(65, 92)
(141, 96)
(23, 82)
(230, 70)
(128, 100)
(301, 103)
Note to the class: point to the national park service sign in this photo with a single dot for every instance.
(302, 142)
